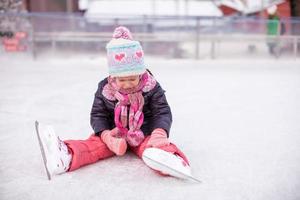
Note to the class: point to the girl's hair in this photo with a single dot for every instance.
(149, 72)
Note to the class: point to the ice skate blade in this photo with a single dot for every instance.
(42, 149)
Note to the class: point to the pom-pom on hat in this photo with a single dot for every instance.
(125, 55)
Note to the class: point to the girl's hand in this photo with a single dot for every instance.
(115, 144)
(158, 138)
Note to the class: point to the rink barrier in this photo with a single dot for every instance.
(201, 37)
(56, 37)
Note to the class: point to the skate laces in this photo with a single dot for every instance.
(64, 155)
(62, 146)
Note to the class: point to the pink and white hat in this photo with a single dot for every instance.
(125, 55)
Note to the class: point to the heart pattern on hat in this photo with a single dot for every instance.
(119, 56)
(139, 54)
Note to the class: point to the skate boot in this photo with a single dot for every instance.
(167, 163)
(54, 151)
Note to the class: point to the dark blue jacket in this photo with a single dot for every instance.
(157, 112)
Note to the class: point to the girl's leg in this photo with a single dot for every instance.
(87, 151)
(172, 148)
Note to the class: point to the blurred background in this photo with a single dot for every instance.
(193, 29)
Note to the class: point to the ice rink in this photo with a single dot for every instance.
(237, 121)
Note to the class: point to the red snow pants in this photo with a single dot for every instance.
(91, 150)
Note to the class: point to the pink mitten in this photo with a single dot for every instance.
(158, 138)
(115, 144)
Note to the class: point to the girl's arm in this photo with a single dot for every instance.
(162, 116)
(99, 114)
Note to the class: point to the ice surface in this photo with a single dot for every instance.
(237, 121)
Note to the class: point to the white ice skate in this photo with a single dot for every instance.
(54, 151)
(167, 163)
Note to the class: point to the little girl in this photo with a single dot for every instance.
(130, 111)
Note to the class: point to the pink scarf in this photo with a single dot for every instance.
(129, 109)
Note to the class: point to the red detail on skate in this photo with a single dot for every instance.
(161, 173)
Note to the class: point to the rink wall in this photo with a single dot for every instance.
(164, 36)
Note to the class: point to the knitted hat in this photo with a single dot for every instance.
(125, 55)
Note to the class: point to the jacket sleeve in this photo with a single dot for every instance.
(161, 111)
(99, 114)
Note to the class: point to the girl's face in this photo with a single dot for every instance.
(127, 82)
